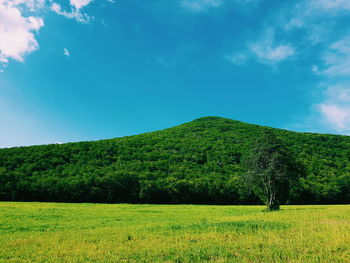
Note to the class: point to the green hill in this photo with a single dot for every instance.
(196, 162)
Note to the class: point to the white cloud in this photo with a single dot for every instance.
(272, 54)
(337, 58)
(319, 18)
(31, 5)
(316, 17)
(335, 109)
(337, 117)
(74, 13)
(339, 94)
(199, 5)
(80, 3)
(268, 51)
(306, 12)
(21, 21)
(296, 31)
(314, 22)
(66, 52)
(17, 32)
(335, 5)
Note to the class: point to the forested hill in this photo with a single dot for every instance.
(197, 162)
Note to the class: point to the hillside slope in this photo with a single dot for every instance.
(196, 162)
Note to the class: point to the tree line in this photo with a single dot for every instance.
(200, 162)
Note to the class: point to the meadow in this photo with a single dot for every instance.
(62, 232)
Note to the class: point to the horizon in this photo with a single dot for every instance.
(85, 70)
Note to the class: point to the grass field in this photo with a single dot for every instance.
(54, 232)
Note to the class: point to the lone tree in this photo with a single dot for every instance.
(271, 170)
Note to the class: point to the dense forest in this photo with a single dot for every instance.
(196, 162)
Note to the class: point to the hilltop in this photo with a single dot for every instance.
(196, 162)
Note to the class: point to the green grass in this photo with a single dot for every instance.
(57, 232)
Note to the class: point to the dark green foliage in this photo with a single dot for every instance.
(197, 162)
(271, 170)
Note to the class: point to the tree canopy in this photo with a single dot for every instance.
(196, 162)
(271, 170)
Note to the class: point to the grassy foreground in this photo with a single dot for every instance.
(57, 232)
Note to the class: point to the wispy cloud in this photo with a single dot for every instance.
(317, 18)
(199, 5)
(337, 58)
(75, 12)
(315, 21)
(238, 58)
(272, 54)
(335, 5)
(66, 52)
(335, 109)
(267, 50)
(337, 116)
(303, 29)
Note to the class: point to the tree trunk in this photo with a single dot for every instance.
(273, 204)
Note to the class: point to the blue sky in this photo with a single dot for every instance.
(92, 69)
